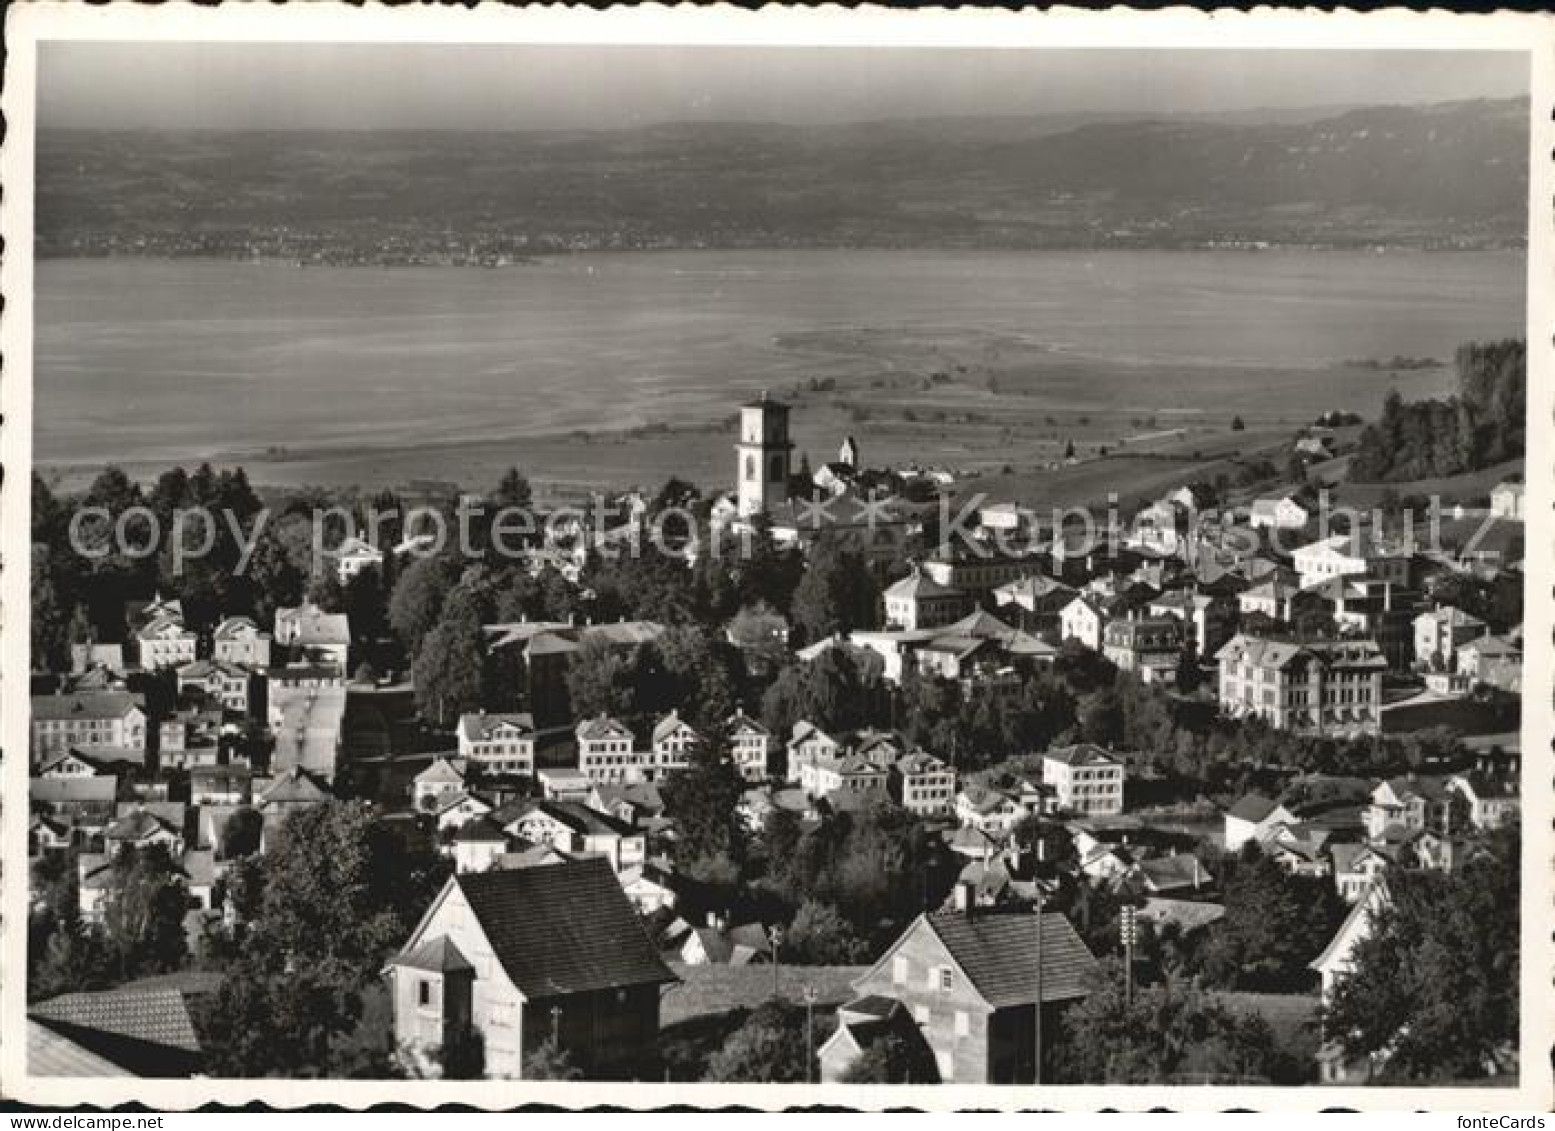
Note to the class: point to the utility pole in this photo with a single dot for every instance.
(775, 937)
(1129, 929)
(810, 998)
(1037, 1017)
(556, 1026)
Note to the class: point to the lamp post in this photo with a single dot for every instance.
(775, 937)
(810, 997)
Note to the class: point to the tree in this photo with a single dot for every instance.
(1237, 424)
(549, 1061)
(769, 1047)
(240, 834)
(897, 1057)
(836, 595)
(820, 936)
(701, 675)
(1433, 989)
(1274, 925)
(144, 918)
(417, 600)
(702, 799)
(1168, 1034)
(605, 679)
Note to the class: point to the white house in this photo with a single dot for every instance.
(1281, 513)
(750, 743)
(502, 743)
(354, 555)
(1087, 779)
(1083, 620)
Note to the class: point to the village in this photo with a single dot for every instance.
(916, 807)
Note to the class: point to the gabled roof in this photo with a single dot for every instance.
(153, 1016)
(669, 725)
(441, 770)
(102, 705)
(918, 586)
(576, 816)
(562, 929)
(997, 952)
(63, 791)
(167, 626)
(740, 721)
(1082, 754)
(1253, 808)
(602, 726)
(296, 785)
(480, 726)
(1168, 873)
(309, 624)
(482, 830)
(236, 628)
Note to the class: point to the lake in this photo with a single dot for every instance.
(156, 360)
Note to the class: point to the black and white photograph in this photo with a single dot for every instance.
(777, 567)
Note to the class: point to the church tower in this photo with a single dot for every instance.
(764, 455)
(848, 453)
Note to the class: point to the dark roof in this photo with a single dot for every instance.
(1254, 807)
(998, 952)
(438, 955)
(564, 929)
(155, 1016)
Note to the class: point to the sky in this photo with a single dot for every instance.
(416, 86)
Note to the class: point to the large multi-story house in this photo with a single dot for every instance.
(521, 957)
(673, 741)
(1493, 660)
(1416, 803)
(968, 983)
(807, 744)
(220, 682)
(164, 642)
(1035, 604)
(917, 601)
(607, 751)
(1208, 620)
(1086, 779)
(544, 652)
(238, 640)
(1344, 555)
(101, 720)
(1327, 686)
(314, 636)
(1151, 647)
(502, 743)
(750, 744)
(1439, 634)
(977, 568)
(923, 784)
(850, 776)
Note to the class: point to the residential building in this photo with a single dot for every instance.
(221, 683)
(1493, 660)
(1328, 686)
(314, 636)
(607, 751)
(1416, 802)
(971, 985)
(850, 776)
(1439, 634)
(1035, 604)
(1343, 555)
(750, 743)
(1335, 964)
(1087, 779)
(88, 721)
(1494, 798)
(1281, 512)
(1506, 500)
(988, 810)
(674, 739)
(1082, 619)
(238, 640)
(85, 657)
(443, 779)
(807, 744)
(1151, 647)
(576, 829)
(164, 642)
(1208, 620)
(923, 784)
(353, 555)
(917, 601)
(1254, 817)
(501, 743)
(220, 785)
(543, 652)
(523, 956)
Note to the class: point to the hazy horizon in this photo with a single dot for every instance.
(486, 88)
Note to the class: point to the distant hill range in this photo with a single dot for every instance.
(1447, 175)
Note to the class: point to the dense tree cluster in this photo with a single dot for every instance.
(1433, 993)
(1481, 426)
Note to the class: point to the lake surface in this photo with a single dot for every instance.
(174, 360)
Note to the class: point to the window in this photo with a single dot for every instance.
(963, 1023)
(899, 971)
(947, 979)
(424, 993)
